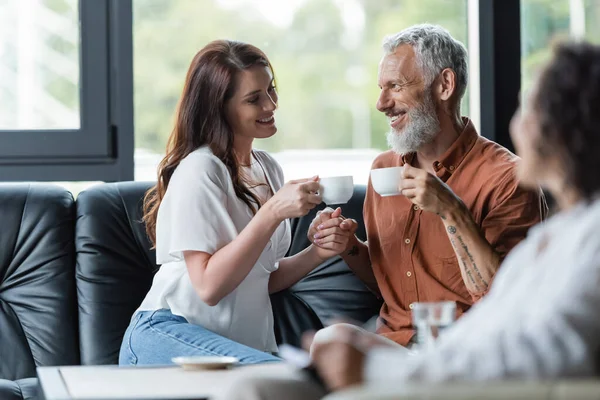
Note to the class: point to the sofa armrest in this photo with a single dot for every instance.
(22, 389)
(556, 390)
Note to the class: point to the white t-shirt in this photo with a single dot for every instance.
(200, 211)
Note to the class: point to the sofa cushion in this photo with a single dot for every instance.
(38, 312)
(23, 389)
(115, 267)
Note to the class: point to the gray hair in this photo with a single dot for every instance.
(435, 50)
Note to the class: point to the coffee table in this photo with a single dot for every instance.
(111, 382)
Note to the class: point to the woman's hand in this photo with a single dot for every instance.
(331, 233)
(295, 199)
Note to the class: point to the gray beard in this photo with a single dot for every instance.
(423, 126)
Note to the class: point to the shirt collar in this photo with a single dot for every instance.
(453, 157)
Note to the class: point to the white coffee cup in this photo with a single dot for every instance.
(336, 189)
(386, 181)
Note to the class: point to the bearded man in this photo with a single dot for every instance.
(461, 209)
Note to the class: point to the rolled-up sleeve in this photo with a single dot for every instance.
(193, 215)
(515, 211)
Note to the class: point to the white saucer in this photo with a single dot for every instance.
(205, 362)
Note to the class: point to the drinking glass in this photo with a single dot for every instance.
(430, 319)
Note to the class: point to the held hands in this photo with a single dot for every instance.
(296, 198)
(427, 191)
(331, 233)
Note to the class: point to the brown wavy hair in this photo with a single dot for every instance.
(201, 119)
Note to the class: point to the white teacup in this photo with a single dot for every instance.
(386, 181)
(336, 189)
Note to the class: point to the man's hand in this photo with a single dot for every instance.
(331, 233)
(339, 363)
(428, 192)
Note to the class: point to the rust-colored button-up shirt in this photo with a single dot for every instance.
(411, 255)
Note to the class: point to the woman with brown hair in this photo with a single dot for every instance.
(218, 217)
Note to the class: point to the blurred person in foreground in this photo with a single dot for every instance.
(540, 319)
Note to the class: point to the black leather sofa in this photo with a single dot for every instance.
(73, 272)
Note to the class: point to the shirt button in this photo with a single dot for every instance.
(411, 305)
(452, 168)
(407, 241)
(416, 208)
(408, 273)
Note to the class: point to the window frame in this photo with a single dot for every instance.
(102, 148)
(499, 67)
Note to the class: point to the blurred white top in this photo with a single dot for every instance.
(540, 320)
(200, 211)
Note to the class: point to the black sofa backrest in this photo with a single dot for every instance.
(38, 310)
(115, 267)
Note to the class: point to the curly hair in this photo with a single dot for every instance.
(568, 105)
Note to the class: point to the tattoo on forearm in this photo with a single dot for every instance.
(467, 270)
(473, 280)
(452, 230)
(470, 275)
(466, 249)
(353, 251)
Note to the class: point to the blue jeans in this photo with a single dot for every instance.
(155, 337)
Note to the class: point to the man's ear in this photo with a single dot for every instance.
(446, 84)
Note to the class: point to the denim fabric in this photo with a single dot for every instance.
(155, 337)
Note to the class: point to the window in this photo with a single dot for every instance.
(64, 91)
(545, 21)
(39, 68)
(325, 54)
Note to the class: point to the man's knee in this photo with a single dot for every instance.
(334, 332)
